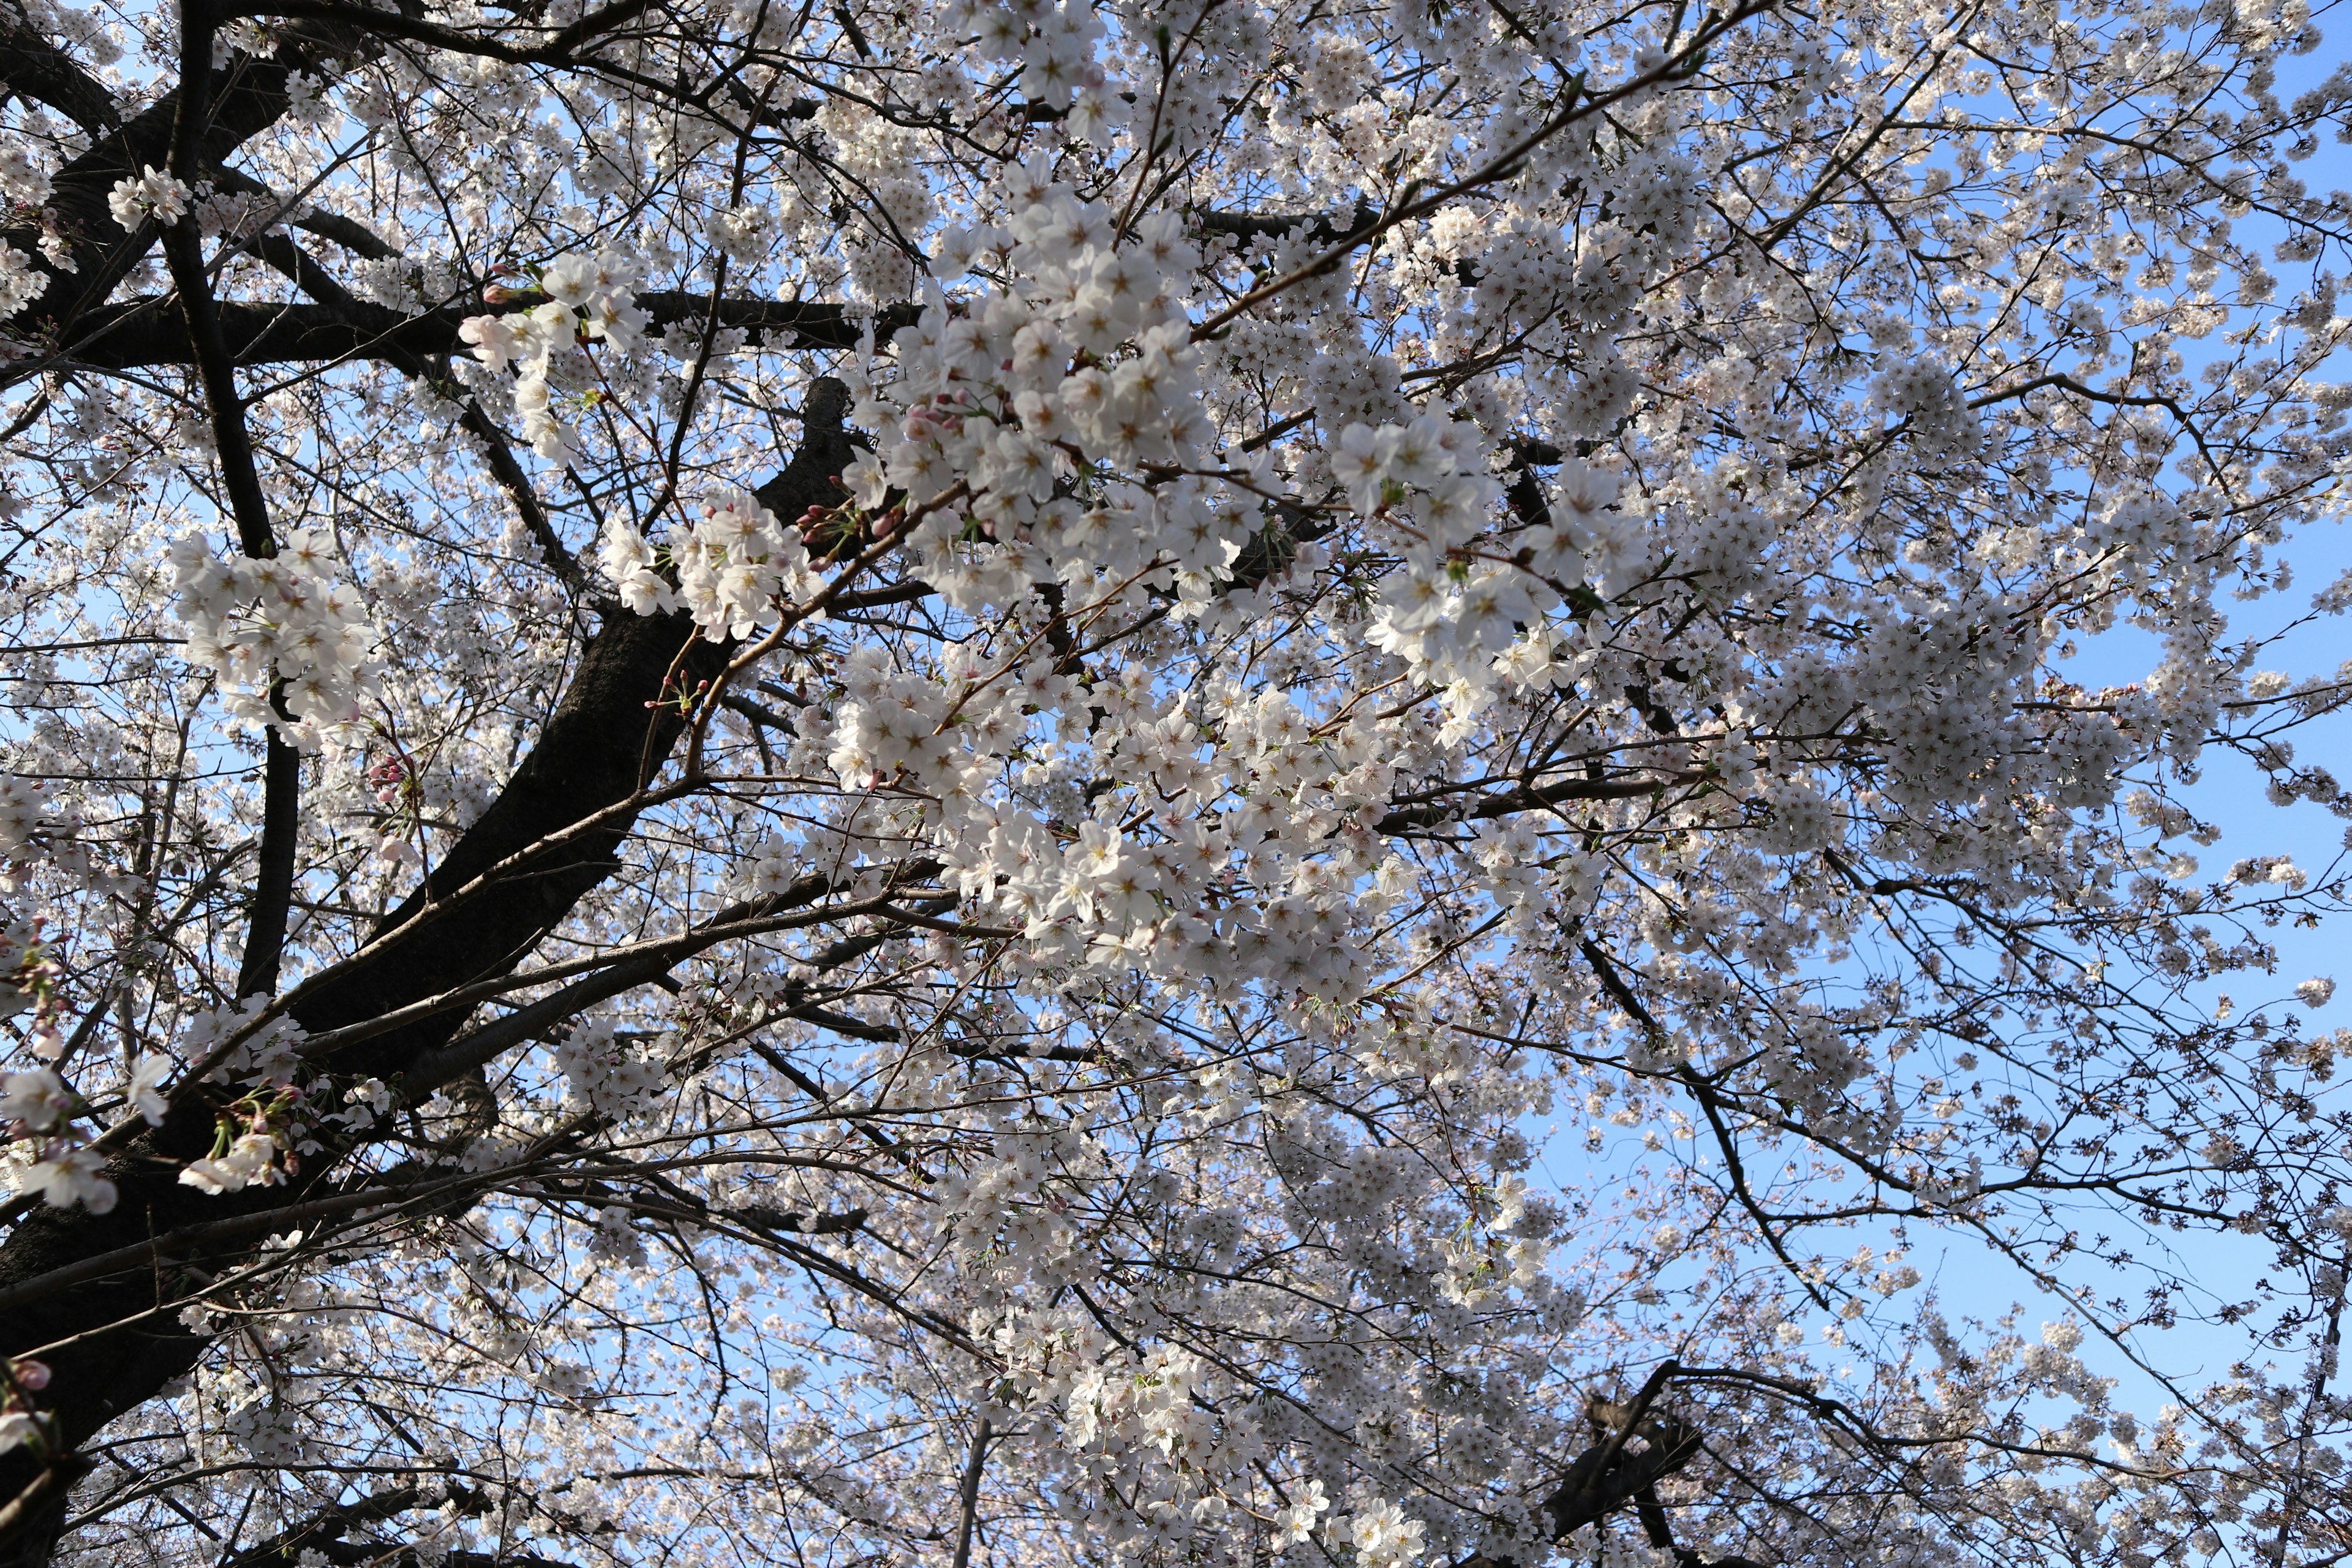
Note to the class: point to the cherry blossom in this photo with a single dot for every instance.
(1138, 783)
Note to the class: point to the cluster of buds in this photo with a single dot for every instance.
(30, 982)
(391, 779)
(675, 698)
(401, 792)
(251, 1136)
(20, 1423)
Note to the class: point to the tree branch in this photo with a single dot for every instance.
(289, 258)
(282, 790)
(111, 1349)
(241, 99)
(32, 66)
(133, 334)
(968, 1514)
(349, 233)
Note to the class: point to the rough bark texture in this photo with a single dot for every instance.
(600, 744)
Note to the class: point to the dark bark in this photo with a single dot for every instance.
(241, 484)
(1321, 227)
(140, 332)
(813, 476)
(1638, 1449)
(1638, 1445)
(273, 891)
(332, 1524)
(32, 66)
(593, 755)
(332, 1535)
(376, 1554)
(242, 99)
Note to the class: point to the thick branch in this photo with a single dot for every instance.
(331, 1524)
(32, 66)
(1618, 1469)
(1325, 227)
(108, 1360)
(1527, 798)
(241, 99)
(349, 233)
(273, 876)
(136, 333)
(557, 50)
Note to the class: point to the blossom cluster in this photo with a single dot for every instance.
(1459, 666)
(25, 819)
(48, 1154)
(734, 565)
(588, 299)
(152, 194)
(1013, 415)
(20, 285)
(605, 1072)
(1055, 46)
(246, 1157)
(291, 643)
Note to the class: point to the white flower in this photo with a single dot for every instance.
(20, 178)
(36, 1097)
(19, 284)
(865, 481)
(1383, 1536)
(368, 1099)
(248, 1162)
(1360, 469)
(1584, 492)
(569, 278)
(23, 816)
(2315, 993)
(624, 557)
(496, 340)
(258, 622)
(68, 1176)
(153, 194)
(546, 433)
(144, 1092)
(1296, 1522)
(210, 1176)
